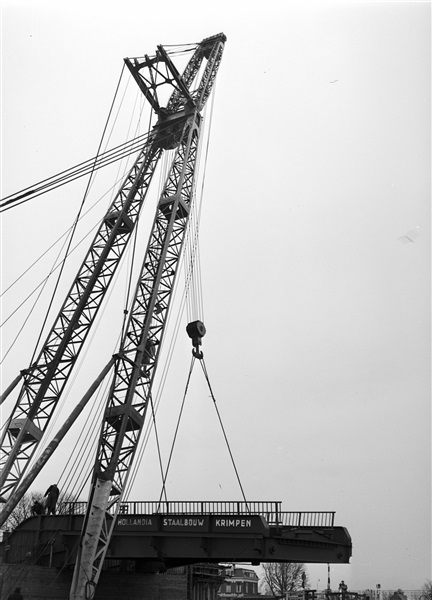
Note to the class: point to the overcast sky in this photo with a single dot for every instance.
(315, 249)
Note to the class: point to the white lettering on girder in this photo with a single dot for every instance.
(124, 522)
(169, 522)
(233, 522)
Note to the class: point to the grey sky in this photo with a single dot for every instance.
(317, 307)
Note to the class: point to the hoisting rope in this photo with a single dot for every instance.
(165, 475)
(204, 368)
(192, 296)
(163, 492)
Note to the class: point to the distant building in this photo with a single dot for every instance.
(399, 595)
(239, 583)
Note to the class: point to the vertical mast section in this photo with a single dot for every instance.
(136, 362)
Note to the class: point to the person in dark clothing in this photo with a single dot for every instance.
(16, 595)
(51, 495)
(37, 509)
(343, 588)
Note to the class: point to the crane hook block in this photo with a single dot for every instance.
(196, 331)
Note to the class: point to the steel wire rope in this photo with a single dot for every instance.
(161, 386)
(163, 175)
(163, 379)
(147, 432)
(100, 160)
(204, 368)
(203, 181)
(83, 168)
(143, 136)
(128, 284)
(93, 165)
(193, 305)
(166, 366)
(165, 475)
(110, 190)
(152, 404)
(63, 471)
(93, 162)
(197, 289)
(44, 281)
(150, 425)
(188, 267)
(81, 361)
(50, 247)
(42, 285)
(80, 169)
(133, 253)
(189, 271)
(100, 163)
(165, 164)
(192, 240)
(82, 483)
(89, 439)
(157, 442)
(77, 219)
(57, 266)
(167, 362)
(54, 268)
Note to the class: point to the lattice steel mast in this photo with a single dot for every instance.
(137, 360)
(179, 120)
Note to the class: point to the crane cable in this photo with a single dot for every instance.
(77, 218)
(204, 368)
(165, 475)
(88, 430)
(192, 298)
(128, 286)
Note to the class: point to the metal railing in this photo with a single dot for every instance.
(271, 511)
(307, 519)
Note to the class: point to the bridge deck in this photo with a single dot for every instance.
(180, 533)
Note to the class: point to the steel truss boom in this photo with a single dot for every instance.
(45, 379)
(136, 362)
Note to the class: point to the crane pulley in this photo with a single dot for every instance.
(196, 331)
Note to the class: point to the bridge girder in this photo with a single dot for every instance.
(163, 542)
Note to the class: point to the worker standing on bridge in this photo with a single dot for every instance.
(343, 588)
(52, 495)
(37, 509)
(16, 595)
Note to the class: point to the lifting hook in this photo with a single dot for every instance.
(196, 331)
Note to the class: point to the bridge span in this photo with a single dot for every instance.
(154, 536)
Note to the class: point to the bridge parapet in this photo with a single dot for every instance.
(271, 511)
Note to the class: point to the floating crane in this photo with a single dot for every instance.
(177, 102)
(178, 127)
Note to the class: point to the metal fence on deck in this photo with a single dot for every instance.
(271, 511)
